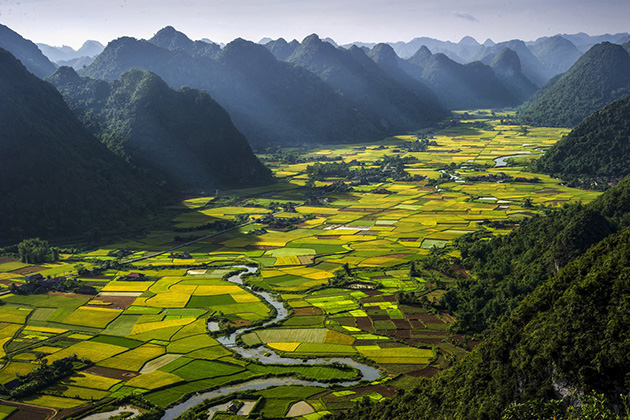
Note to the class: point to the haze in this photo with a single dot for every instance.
(70, 22)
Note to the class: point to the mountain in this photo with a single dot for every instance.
(172, 39)
(568, 336)
(184, 135)
(270, 101)
(26, 51)
(281, 49)
(89, 49)
(599, 77)
(585, 42)
(385, 57)
(367, 87)
(556, 53)
(76, 63)
(459, 86)
(56, 178)
(507, 67)
(598, 148)
(531, 67)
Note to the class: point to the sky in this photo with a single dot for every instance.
(71, 22)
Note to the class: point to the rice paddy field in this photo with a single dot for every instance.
(339, 259)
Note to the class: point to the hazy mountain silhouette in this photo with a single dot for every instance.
(184, 135)
(89, 49)
(281, 49)
(459, 86)
(269, 101)
(507, 67)
(26, 51)
(556, 53)
(369, 88)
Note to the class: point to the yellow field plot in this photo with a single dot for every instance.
(88, 350)
(52, 401)
(408, 244)
(87, 380)
(150, 326)
(406, 355)
(9, 276)
(269, 273)
(316, 210)
(289, 260)
(309, 273)
(376, 261)
(217, 290)
(92, 317)
(351, 329)
(12, 369)
(80, 336)
(191, 343)
(291, 335)
(284, 346)
(183, 288)
(13, 314)
(163, 285)
(153, 380)
(127, 286)
(8, 330)
(235, 210)
(134, 359)
(168, 300)
(314, 222)
(335, 337)
(245, 297)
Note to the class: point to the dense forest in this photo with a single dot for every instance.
(56, 178)
(596, 152)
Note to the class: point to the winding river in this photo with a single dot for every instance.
(502, 161)
(267, 356)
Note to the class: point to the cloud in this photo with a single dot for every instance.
(465, 16)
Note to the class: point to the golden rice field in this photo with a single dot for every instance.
(149, 336)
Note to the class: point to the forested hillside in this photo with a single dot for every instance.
(599, 77)
(596, 152)
(183, 136)
(56, 178)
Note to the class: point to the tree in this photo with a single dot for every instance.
(35, 250)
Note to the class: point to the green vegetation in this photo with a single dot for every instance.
(193, 141)
(598, 78)
(48, 184)
(594, 154)
(371, 267)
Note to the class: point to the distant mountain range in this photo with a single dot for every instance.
(541, 59)
(182, 136)
(89, 49)
(56, 178)
(270, 101)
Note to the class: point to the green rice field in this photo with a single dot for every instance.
(344, 260)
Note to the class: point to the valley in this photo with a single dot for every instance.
(358, 243)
